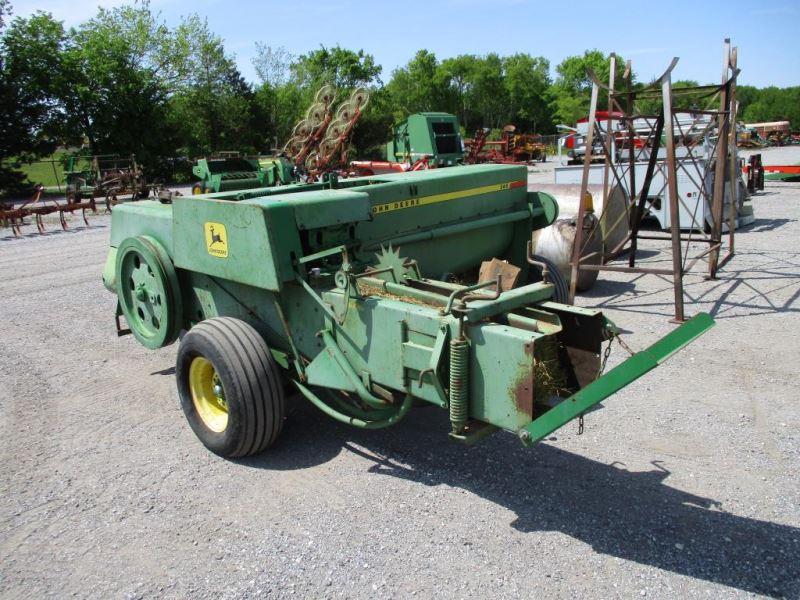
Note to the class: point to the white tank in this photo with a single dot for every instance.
(604, 230)
(556, 242)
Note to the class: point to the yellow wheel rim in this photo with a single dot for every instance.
(208, 395)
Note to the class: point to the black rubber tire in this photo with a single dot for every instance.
(561, 293)
(197, 189)
(251, 380)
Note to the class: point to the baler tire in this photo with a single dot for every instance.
(197, 189)
(561, 293)
(251, 387)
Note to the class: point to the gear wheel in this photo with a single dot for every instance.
(390, 258)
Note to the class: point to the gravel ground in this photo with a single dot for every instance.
(685, 485)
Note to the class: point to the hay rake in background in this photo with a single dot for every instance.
(320, 141)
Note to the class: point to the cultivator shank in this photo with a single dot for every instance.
(38, 207)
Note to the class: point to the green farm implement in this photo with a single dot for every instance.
(368, 296)
(434, 136)
(423, 141)
(232, 172)
(104, 176)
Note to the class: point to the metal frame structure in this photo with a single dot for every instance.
(642, 135)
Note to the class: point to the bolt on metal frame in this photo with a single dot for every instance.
(663, 125)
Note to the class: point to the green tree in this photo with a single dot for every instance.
(213, 105)
(117, 72)
(279, 102)
(272, 65)
(571, 91)
(457, 78)
(488, 95)
(279, 107)
(29, 118)
(417, 87)
(374, 127)
(775, 104)
(527, 81)
(343, 68)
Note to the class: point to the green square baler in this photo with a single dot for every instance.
(364, 295)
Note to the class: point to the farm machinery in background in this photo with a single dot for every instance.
(105, 176)
(86, 178)
(757, 172)
(762, 135)
(227, 171)
(320, 142)
(319, 145)
(39, 206)
(511, 149)
(423, 141)
(431, 140)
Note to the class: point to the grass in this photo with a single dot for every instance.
(47, 171)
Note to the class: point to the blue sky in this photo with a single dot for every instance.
(648, 33)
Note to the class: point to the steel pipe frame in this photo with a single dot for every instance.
(727, 111)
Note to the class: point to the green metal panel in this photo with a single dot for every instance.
(254, 243)
(146, 217)
(240, 173)
(424, 201)
(434, 135)
(501, 383)
(394, 341)
(326, 208)
(429, 201)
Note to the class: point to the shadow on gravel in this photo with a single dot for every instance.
(32, 232)
(762, 225)
(633, 515)
(753, 289)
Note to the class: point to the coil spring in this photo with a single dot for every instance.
(459, 355)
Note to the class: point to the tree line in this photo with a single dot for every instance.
(126, 82)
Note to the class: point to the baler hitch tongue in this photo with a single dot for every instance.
(616, 379)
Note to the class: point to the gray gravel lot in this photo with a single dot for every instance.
(685, 485)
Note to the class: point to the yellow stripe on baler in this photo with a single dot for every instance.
(436, 198)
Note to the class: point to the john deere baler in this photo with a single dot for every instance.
(367, 296)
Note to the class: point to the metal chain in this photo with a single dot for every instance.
(624, 345)
(603, 362)
(606, 354)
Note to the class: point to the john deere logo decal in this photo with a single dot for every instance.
(216, 240)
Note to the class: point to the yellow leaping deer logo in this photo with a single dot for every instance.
(216, 240)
